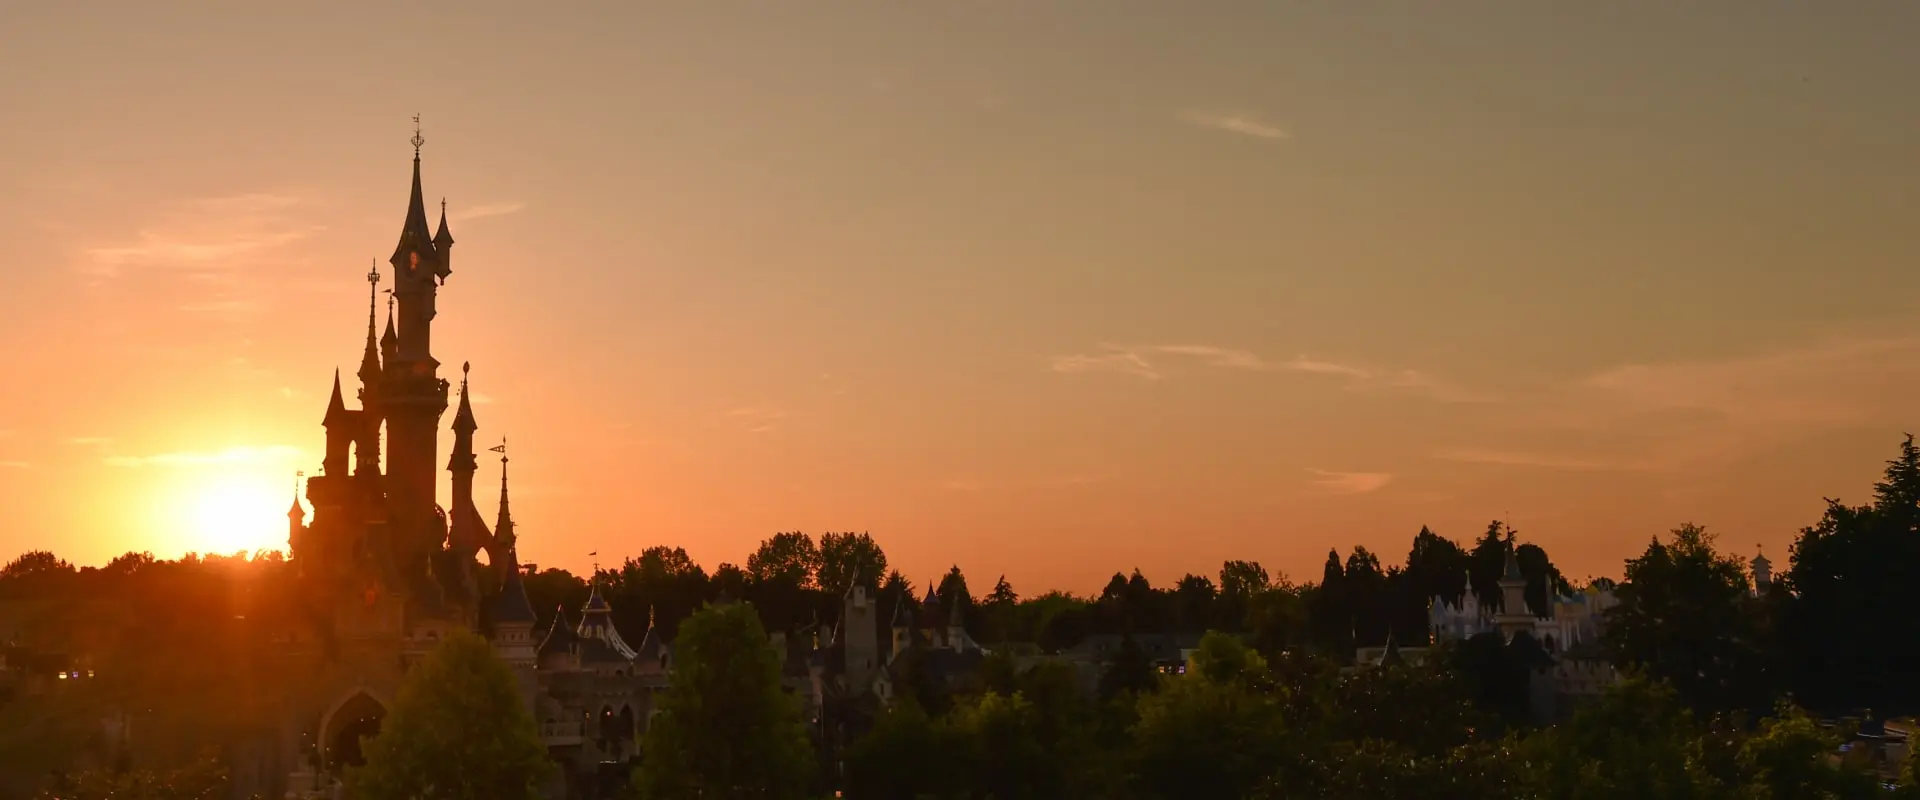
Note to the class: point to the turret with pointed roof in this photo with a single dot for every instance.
(443, 242)
(342, 427)
(600, 641)
(468, 534)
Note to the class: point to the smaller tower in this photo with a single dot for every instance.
(1762, 572)
(367, 439)
(468, 533)
(390, 341)
(859, 633)
(902, 627)
(296, 518)
(342, 427)
(443, 241)
(1514, 616)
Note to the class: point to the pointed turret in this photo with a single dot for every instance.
(296, 519)
(1392, 657)
(415, 238)
(370, 358)
(336, 405)
(389, 341)
(503, 522)
(342, 428)
(560, 649)
(468, 534)
(512, 608)
(601, 641)
(443, 241)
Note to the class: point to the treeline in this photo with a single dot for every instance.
(177, 642)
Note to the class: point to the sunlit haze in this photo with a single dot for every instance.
(1041, 289)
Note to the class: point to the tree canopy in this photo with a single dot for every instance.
(459, 729)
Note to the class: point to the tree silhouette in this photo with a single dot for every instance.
(725, 728)
(459, 728)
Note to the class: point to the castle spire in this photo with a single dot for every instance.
(389, 341)
(415, 238)
(503, 524)
(370, 360)
(468, 534)
(337, 405)
(463, 418)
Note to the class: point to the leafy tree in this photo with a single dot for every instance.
(789, 559)
(1365, 586)
(1003, 594)
(551, 589)
(1790, 757)
(905, 755)
(1685, 617)
(1637, 740)
(1240, 582)
(1193, 600)
(725, 728)
(1005, 758)
(1331, 609)
(459, 728)
(849, 558)
(34, 562)
(1212, 733)
(1850, 581)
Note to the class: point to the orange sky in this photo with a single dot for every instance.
(1043, 289)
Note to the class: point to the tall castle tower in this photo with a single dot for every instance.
(412, 394)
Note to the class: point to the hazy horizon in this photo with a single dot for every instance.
(1034, 289)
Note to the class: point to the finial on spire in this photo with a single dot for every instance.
(417, 138)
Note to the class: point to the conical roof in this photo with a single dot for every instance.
(512, 605)
(415, 237)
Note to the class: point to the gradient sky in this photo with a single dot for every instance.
(1042, 289)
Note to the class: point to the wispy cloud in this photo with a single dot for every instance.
(231, 455)
(90, 441)
(1119, 360)
(1135, 361)
(1559, 461)
(1350, 482)
(485, 210)
(1698, 415)
(482, 399)
(205, 236)
(1243, 124)
(755, 419)
(15, 465)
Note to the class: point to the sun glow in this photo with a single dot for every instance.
(235, 511)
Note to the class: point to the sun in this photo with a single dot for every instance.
(237, 512)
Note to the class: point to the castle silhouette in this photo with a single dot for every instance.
(385, 573)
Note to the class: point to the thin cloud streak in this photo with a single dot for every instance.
(1134, 361)
(205, 235)
(1701, 415)
(1243, 124)
(1350, 482)
(1123, 362)
(485, 210)
(1557, 461)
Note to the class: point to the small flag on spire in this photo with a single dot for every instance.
(499, 448)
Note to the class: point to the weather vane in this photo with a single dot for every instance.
(373, 272)
(417, 138)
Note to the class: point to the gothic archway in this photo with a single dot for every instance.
(354, 720)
